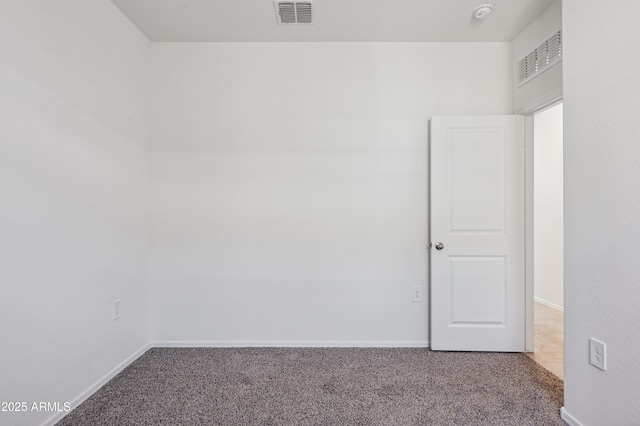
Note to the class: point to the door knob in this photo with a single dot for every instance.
(439, 246)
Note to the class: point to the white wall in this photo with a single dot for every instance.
(548, 235)
(602, 177)
(73, 182)
(289, 186)
(547, 86)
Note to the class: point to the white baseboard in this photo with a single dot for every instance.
(97, 385)
(549, 304)
(288, 344)
(569, 418)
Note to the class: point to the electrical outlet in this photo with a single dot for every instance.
(416, 293)
(116, 309)
(598, 354)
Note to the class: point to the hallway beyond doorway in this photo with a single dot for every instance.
(548, 332)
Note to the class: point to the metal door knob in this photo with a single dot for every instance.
(439, 246)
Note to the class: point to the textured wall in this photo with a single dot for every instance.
(602, 220)
(289, 185)
(548, 207)
(73, 79)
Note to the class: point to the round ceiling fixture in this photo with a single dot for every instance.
(482, 11)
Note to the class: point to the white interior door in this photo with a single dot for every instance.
(477, 233)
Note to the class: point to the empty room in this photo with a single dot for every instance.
(319, 212)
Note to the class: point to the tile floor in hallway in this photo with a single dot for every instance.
(548, 338)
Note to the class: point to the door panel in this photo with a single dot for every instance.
(473, 279)
(476, 165)
(477, 213)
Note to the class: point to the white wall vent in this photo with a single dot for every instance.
(294, 12)
(540, 59)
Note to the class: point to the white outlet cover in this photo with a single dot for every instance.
(116, 309)
(416, 293)
(598, 354)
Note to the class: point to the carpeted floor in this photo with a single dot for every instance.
(325, 386)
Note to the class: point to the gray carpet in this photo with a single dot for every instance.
(325, 386)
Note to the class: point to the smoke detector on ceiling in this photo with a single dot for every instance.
(482, 11)
(294, 12)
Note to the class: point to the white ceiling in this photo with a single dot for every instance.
(335, 20)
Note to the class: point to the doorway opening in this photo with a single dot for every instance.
(548, 240)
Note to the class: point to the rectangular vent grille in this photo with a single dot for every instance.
(294, 12)
(547, 54)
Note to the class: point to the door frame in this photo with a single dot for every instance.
(528, 215)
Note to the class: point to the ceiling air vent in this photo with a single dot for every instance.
(294, 12)
(540, 59)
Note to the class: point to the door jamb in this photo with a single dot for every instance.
(529, 219)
